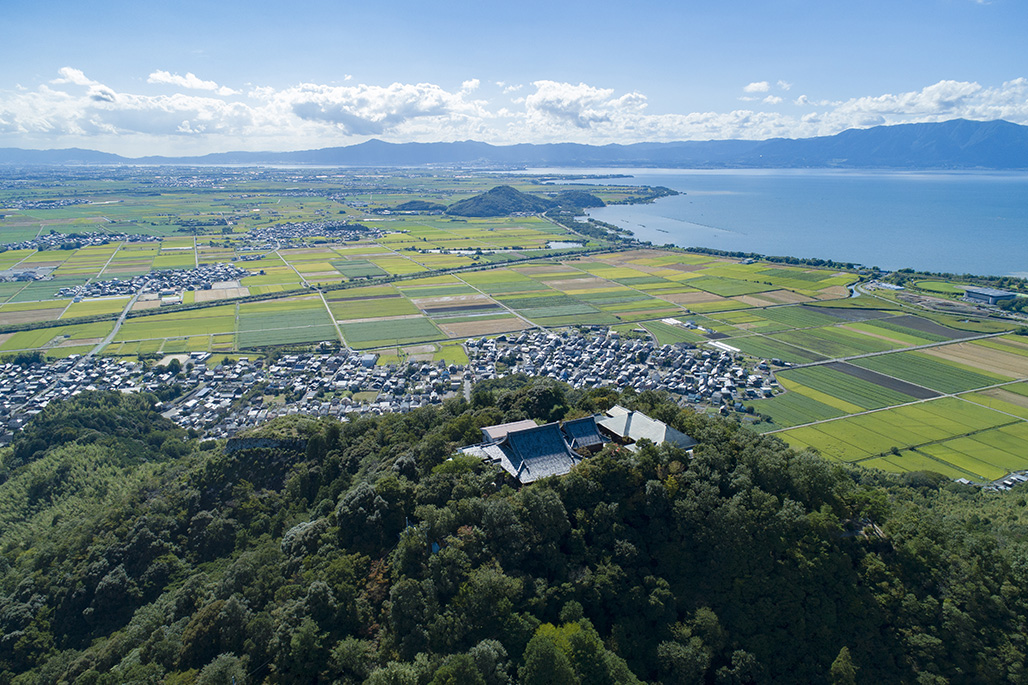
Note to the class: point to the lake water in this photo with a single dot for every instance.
(960, 222)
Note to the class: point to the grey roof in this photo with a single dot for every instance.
(988, 292)
(583, 433)
(531, 453)
(635, 426)
(499, 431)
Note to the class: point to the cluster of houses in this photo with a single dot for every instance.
(26, 390)
(249, 392)
(56, 241)
(165, 282)
(528, 451)
(219, 399)
(312, 230)
(45, 204)
(718, 376)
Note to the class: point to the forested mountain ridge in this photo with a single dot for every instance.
(373, 556)
(955, 144)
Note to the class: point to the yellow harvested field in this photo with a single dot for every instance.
(7, 318)
(697, 297)
(686, 267)
(981, 357)
(580, 283)
(472, 329)
(220, 294)
(146, 304)
(443, 300)
(75, 342)
(543, 270)
(835, 292)
(378, 319)
(787, 296)
(752, 300)
(1007, 396)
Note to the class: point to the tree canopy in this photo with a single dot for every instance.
(375, 555)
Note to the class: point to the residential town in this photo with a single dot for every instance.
(57, 241)
(161, 281)
(218, 397)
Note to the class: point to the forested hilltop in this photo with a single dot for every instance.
(355, 552)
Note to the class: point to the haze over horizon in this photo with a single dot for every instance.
(196, 78)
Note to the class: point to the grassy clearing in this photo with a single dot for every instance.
(451, 353)
(940, 287)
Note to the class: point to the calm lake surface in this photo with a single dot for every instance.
(959, 222)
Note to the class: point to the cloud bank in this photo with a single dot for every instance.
(189, 115)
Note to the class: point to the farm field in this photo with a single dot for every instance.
(383, 289)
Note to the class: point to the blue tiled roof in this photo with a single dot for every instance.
(583, 432)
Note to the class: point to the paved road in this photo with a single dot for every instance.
(121, 319)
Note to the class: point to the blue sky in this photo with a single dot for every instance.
(193, 77)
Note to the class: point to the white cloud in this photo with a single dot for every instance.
(75, 110)
(578, 105)
(785, 85)
(73, 76)
(190, 80)
(372, 110)
(757, 87)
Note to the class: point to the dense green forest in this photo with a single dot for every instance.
(365, 551)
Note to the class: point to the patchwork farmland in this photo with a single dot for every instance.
(863, 377)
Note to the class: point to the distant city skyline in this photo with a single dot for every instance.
(196, 77)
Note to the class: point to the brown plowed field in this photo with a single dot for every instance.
(925, 326)
(1007, 396)
(548, 269)
(471, 329)
(30, 315)
(835, 292)
(1004, 363)
(580, 283)
(220, 294)
(697, 297)
(785, 297)
(450, 301)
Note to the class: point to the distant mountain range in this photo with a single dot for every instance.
(956, 144)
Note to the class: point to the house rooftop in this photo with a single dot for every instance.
(500, 431)
(635, 426)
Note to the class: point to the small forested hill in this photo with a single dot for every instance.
(578, 199)
(420, 206)
(362, 552)
(500, 201)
